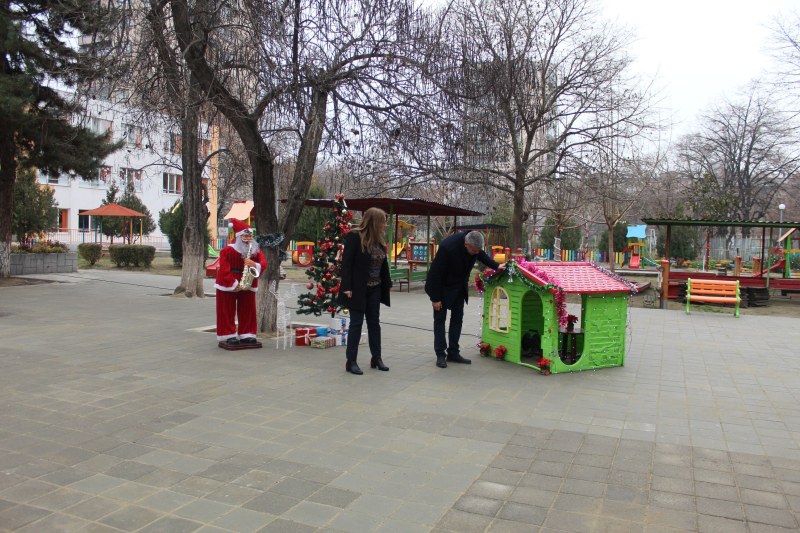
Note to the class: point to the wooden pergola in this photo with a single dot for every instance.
(116, 210)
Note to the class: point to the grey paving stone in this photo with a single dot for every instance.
(270, 502)
(20, 515)
(765, 499)
(244, 520)
(478, 505)
(462, 522)
(770, 516)
(130, 518)
(171, 524)
(715, 524)
(567, 521)
(334, 496)
(281, 525)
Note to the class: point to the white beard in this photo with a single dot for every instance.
(240, 246)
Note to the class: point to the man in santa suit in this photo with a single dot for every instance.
(232, 301)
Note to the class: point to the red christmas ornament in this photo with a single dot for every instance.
(309, 285)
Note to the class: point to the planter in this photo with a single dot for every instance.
(22, 264)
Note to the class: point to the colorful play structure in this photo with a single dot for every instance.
(525, 320)
(754, 285)
(633, 252)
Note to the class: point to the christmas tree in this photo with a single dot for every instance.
(325, 270)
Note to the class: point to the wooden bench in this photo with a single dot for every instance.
(713, 291)
(406, 276)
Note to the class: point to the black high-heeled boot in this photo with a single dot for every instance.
(352, 367)
(377, 362)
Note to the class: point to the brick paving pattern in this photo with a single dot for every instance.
(118, 413)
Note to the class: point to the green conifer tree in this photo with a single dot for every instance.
(325, 271)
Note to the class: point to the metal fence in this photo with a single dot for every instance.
(74, 237)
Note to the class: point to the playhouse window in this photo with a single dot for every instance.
(499, 311)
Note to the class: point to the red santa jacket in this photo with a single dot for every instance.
(231, 267)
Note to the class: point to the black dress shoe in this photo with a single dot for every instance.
(378, 363)
(249, 340)
(441, 362)
(458, 359)
(353, 368)
(233, 341)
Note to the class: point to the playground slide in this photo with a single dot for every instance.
(211, 270)
(212, 252)
(634, 262)
(649, 262)
(396, 249)
(777, 266)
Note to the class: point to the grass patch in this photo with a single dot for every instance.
(160, 265)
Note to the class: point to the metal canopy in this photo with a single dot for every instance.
(485, 227)
(719, 223)
(397, 206)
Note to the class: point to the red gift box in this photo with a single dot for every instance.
(303, 336)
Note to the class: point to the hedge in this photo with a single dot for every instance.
(124, 255)
(90, 251)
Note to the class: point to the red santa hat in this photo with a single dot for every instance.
(239, 227)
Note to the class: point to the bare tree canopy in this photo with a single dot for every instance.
(294, 79)
(521, 84)
(748, 149)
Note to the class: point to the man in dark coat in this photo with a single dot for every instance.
(447, 287)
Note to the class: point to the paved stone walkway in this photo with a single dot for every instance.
(119, 413)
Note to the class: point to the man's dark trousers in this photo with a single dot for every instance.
(441, 345)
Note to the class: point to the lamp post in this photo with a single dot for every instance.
(781, 207)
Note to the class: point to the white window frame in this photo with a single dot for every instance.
(500, 311)
(172, 183)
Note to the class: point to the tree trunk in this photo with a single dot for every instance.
(193, 268)
(303, 173)
(8, 175)
(612, 263)
(518, 216)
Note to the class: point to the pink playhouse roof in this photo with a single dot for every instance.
(575, 277)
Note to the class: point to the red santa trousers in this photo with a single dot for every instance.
(229, 306)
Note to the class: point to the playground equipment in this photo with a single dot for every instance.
(498, 253)
(304, 254)
(403, 231)
(636, 236)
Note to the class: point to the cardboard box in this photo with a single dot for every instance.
(323, 342)
(303, 336)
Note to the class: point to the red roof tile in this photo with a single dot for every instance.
(575, 277)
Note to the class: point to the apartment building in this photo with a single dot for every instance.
(150, 160)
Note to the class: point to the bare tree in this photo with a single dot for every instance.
(786, 49)
(746, 150)
(521, 86)
(300, 75)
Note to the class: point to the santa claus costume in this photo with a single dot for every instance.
(232, 301)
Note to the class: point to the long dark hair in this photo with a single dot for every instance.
(371, 230)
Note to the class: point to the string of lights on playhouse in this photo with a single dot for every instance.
(538, 279)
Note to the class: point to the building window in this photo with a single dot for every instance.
(204, 148)
(63, 219)
(172, 183)
(173, 144)
(104, 173)
(499, 311)
(100, 126)
(132, 135)
(131, 175)
(83, 220)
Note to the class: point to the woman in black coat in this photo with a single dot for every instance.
(365, 285)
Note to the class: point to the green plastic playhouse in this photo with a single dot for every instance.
(524, 315)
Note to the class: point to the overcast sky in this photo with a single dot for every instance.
(701, 50)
